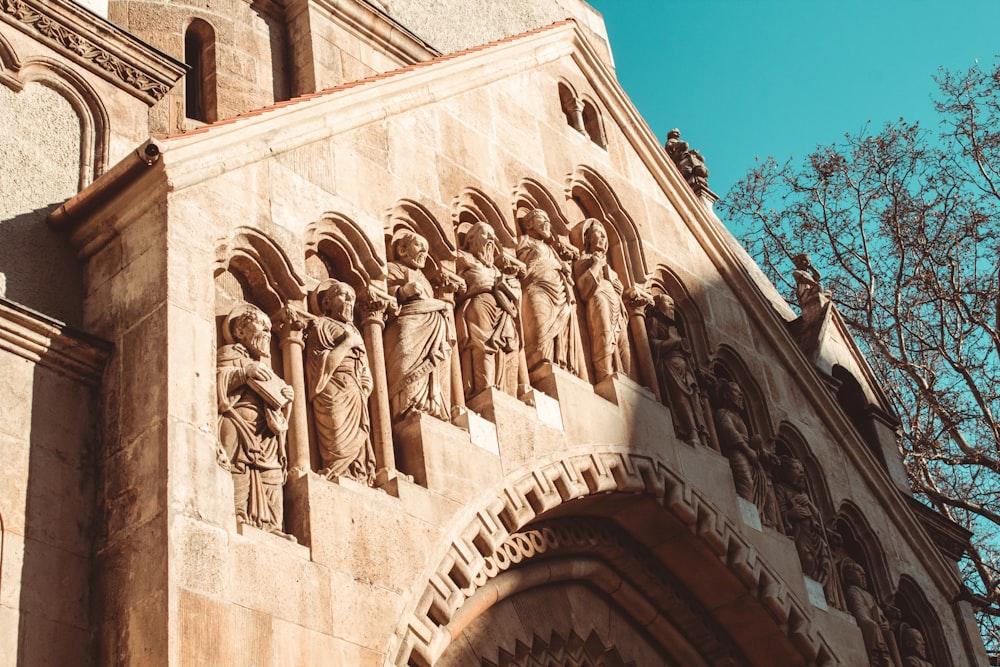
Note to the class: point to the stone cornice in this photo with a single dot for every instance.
(51, 344)
(96, 44)
(371, 25)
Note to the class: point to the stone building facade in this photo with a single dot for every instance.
(347, 332)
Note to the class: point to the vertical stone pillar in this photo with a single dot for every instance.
(372, 324)
(638, 301)
(290, 332)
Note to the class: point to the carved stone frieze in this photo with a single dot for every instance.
(97, 44)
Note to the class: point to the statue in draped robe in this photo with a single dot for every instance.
(549, 305)
(420, 335)
(746, 455)
(802, 521)
(339, 384)
(254, 405)
(875, 628)
(601, 291)
(487, 314)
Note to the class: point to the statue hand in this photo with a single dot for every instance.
(257, 371)
(288, 392)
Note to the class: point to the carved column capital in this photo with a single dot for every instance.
(638, 301)
(290, 325)
(374, 307)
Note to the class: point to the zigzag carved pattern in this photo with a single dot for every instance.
(572, 651)
(609, 470)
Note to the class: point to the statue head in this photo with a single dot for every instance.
(537, 224)
(913, 642)
(250, 327)
(595, 237)
(410, 249)
(854, 574)
(664, 304)
(801, 261)
(673, 134)
(793, 473)
(731, 393)
(337, 301)
(481, 241)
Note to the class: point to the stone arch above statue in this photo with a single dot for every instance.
(596, 199)
(472, 205)
(530, 194)
(262, 268)
(465, 578)
(336, 240)
(917, 613)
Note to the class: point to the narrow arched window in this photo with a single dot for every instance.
(570, 107)
(199, 83)
(593, 125)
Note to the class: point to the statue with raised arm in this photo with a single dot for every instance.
(339, 384)
(601, 291)
(418, 337)
(802, 520)
(875, 628)
(549, 312)
(487, 313)
(808, 290)
(747, 457)
(254, 405)
(674, 366)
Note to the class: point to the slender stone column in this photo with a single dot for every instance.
(372, 324)
(290, 332)
(638, 301)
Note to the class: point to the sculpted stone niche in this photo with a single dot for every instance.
(549, 302)
(338, 385)
(601, 291)
(802, 521)
(487, 313)
(675, 371)
(419, 336)
(748, 459)
(914, 648)
(254, 405)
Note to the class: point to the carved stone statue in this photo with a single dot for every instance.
(690, 162)
(601, 291)
(747, 457)
(914, 648)
(802, 520)
(808, 290)
(487, 314)
(549, 303)
(254, 405)
(419, 337)
(675, 371)
(339, 384)
(875, 628)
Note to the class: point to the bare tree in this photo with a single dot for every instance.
(904, 223)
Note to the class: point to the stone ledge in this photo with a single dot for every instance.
(52, 344)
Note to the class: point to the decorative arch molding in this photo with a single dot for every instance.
(473, 203)
(570, 650)
(412, 215)
(264, 266)
(872, 556)
(483, 532)
(760, 418)
(917, 611)
(94, 122)
(530, 194)
(799, 448)
(665, 281)
(597, 199)
(338, 239)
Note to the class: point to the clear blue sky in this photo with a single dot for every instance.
(752, 78)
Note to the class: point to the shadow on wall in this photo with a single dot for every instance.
(41, 269)
(54, 626)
